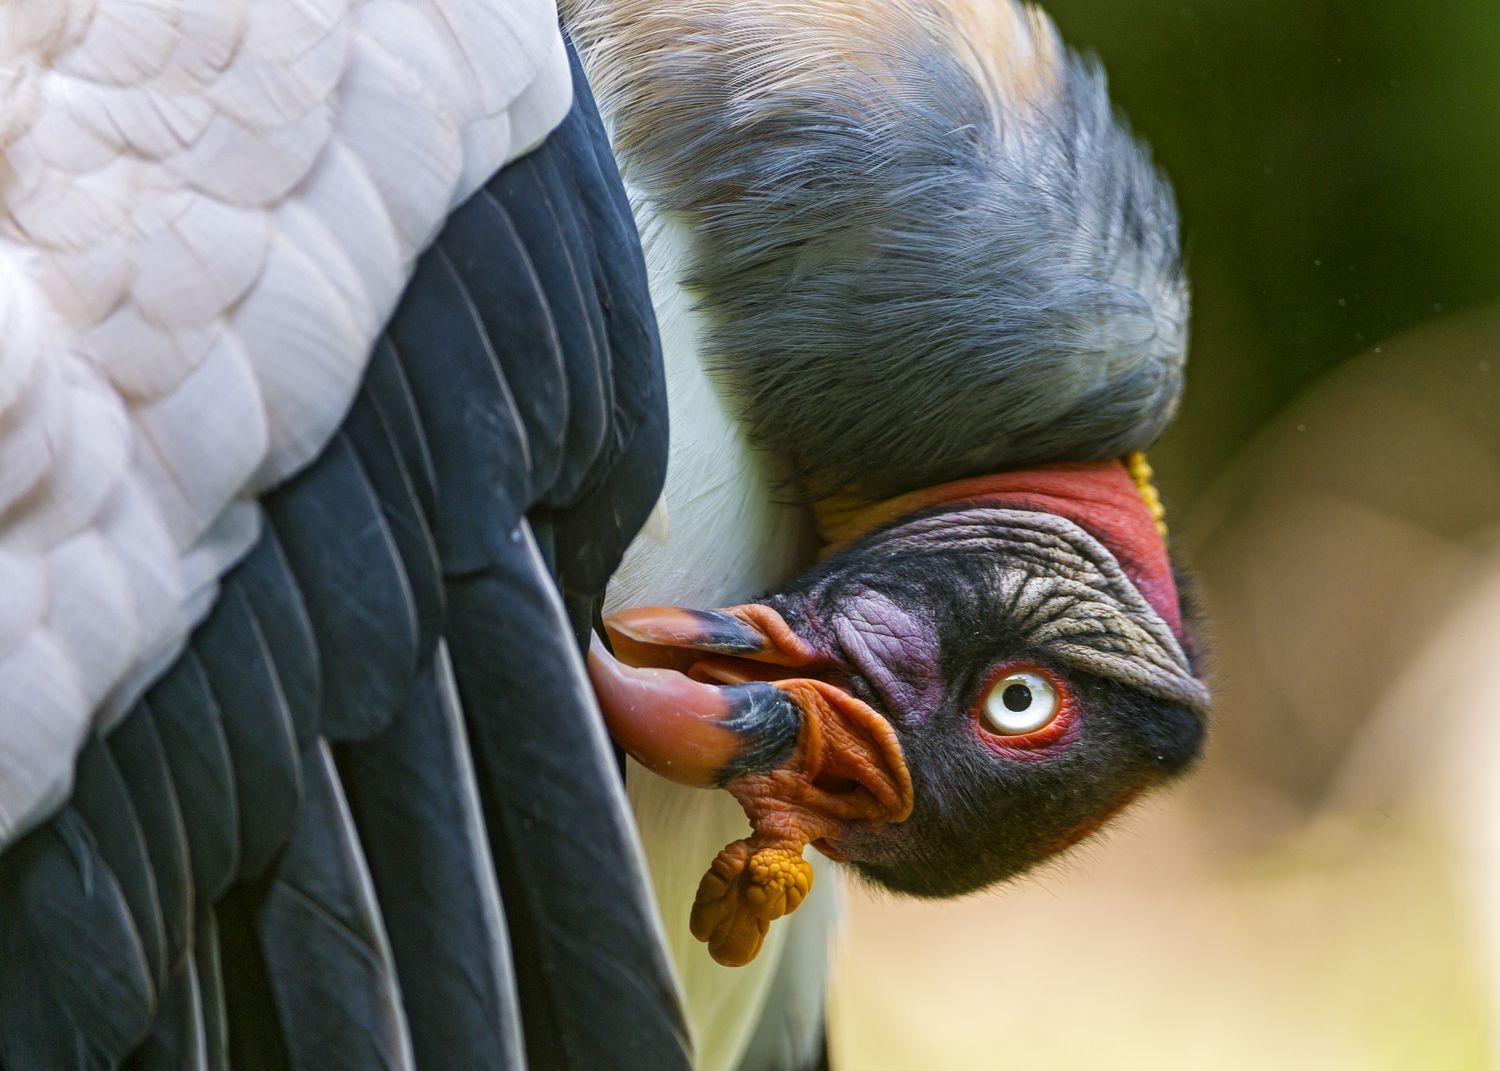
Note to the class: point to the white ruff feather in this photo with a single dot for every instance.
(719, 539)
(208, 208)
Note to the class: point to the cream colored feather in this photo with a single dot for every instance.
(208, 208)
(718, 537)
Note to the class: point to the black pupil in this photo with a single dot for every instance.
(1016, 697)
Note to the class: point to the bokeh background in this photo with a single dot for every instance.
(1325, 892)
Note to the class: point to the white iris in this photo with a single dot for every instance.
(1020, 703)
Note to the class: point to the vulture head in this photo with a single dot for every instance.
(978, 683)
(942, 280)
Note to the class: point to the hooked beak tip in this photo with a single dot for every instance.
(687, 730)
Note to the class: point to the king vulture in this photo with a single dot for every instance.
(330, 397)
(922, 305)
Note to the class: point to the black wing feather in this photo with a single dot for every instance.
(252, 903)
(380, 456)
(327, 958)
(89, 998)
(136, 748)
(412, 788)
(270, 591)
(186, 718)
(353, 582)
(176, 1038)
(257, 729)
(580, 915)
(103, 802)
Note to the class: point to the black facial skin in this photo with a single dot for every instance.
(980, 816)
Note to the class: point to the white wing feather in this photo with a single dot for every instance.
(208, 209)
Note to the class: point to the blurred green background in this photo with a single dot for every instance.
(1324, 893)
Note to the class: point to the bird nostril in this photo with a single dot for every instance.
(835, 786)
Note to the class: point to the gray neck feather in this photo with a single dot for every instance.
(914, 276)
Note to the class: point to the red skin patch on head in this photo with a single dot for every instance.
(1098, 496)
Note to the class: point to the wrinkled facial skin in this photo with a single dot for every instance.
(918, 637)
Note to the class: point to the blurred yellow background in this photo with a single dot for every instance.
(1324, 893)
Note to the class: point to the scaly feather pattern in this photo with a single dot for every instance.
(208, 208)
(369, 819)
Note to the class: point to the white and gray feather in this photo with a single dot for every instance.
(915, 208)
(207, 211)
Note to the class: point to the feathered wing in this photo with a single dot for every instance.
(368, 817)
(210, 209)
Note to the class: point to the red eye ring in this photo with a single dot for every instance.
(1061, 730)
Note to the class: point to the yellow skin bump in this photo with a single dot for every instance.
(1143, 475)
(743, 892)
(763, 877)
(779, 881)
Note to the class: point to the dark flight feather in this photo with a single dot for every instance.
(176, 1041)
(271, 594)
(136, 748)
(103, 802)
(187, 723)
(335, 863)
(257, 729)
(414, 797)
(354, 586)
(86, 992)
(327, 958)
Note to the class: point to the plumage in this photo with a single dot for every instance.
(89, 582)
(196, 129)
(435, 878)
(564, 847)
(373, 841)
(137, 748)
(355, 590)
(219, 393)
(328, 959)
(177, 1038)
(891, 195)
(257, 730)
(98, 995)
(103, 803)
(186, 718)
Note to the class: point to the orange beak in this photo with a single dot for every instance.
(803, 757)
(690, 732)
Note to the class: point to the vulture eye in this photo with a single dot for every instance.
(1020, 703)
